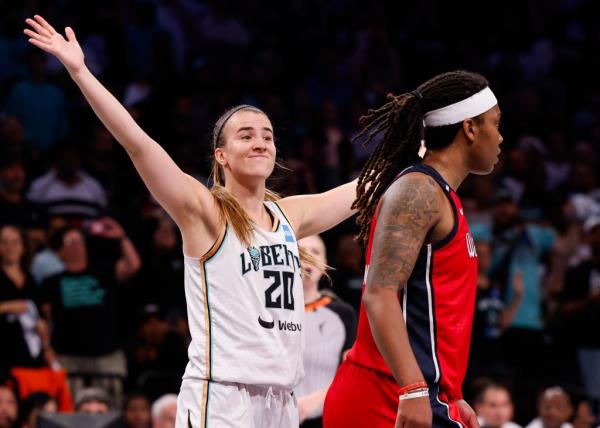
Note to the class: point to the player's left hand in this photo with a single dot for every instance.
(467, 414)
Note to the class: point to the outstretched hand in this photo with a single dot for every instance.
(45, 37)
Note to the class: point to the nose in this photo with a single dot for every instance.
(259, 145)
(501, 138)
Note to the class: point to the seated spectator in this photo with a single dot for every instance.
(349, 270)
(164, 411)
(36, 403)
(14, 208)
(81, 305)
(494, 407)
(9, 407)
(136, 412)
(68, 190)
(92, 400)
(46, 262)
(20, 323)
(330, 330)
(555, 409)
(158, 353)
(162, 274)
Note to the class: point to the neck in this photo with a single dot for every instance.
(250, 198)
(311, 293)
(449, 163)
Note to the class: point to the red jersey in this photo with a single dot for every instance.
(438, 303)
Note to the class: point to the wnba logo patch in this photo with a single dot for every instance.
(471, 246)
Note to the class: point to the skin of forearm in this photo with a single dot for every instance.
(389, 331)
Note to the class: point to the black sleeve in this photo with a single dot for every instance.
(47, 290)
(348, 317)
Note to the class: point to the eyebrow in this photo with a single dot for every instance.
(250, 128)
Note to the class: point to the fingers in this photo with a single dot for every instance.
(38, 28)
(45, 24)
(43, 46)
(36, 36)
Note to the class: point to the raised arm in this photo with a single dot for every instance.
(409, 209)
(313, 214)
(183, 197)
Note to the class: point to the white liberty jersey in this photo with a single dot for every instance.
(246, 308)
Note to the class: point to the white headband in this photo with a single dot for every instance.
(473, 106)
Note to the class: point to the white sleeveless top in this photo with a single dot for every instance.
(246, 308)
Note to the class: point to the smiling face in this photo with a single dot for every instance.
(485, 137)
(248, 152)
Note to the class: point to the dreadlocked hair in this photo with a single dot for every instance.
(228, 206)
(398, 125)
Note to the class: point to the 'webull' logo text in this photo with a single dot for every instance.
(282, 325)
(268, 255)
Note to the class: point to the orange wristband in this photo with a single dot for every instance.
(413, 386)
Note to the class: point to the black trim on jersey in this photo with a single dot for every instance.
(418, 317)
(431, 172)
(286, 219)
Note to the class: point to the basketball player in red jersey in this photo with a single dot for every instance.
(409, 360)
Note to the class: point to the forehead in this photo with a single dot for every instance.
(247, 119)
(492, 114)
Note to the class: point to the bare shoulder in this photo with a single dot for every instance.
(409, 210)
(413, 197)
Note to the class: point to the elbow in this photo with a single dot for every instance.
(372, 301)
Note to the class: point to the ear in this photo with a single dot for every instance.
(220, 156)
(470, 128)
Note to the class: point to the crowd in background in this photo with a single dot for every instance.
(91, 278)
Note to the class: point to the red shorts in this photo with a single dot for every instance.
(363, 398)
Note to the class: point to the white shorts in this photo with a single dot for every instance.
(203, 404)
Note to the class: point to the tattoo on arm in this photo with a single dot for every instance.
(408, 211)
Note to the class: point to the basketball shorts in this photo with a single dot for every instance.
(363, 398)
(203, 404)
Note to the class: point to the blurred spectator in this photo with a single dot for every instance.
(92, 400)
(68, 190)
(14, 209)
(349, 270)
(555, 409)
(494, 407)
(9, 407)
(330, 331)
(162, 274)
(20, 323)
(492, 316)
(579, 310)
(136, 411)
(158, 353)
(36, 403)
(46, 262)
(518, 252)
(164, 411)
(81, 305)
(40, 106)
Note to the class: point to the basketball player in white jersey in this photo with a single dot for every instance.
(242, 264)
